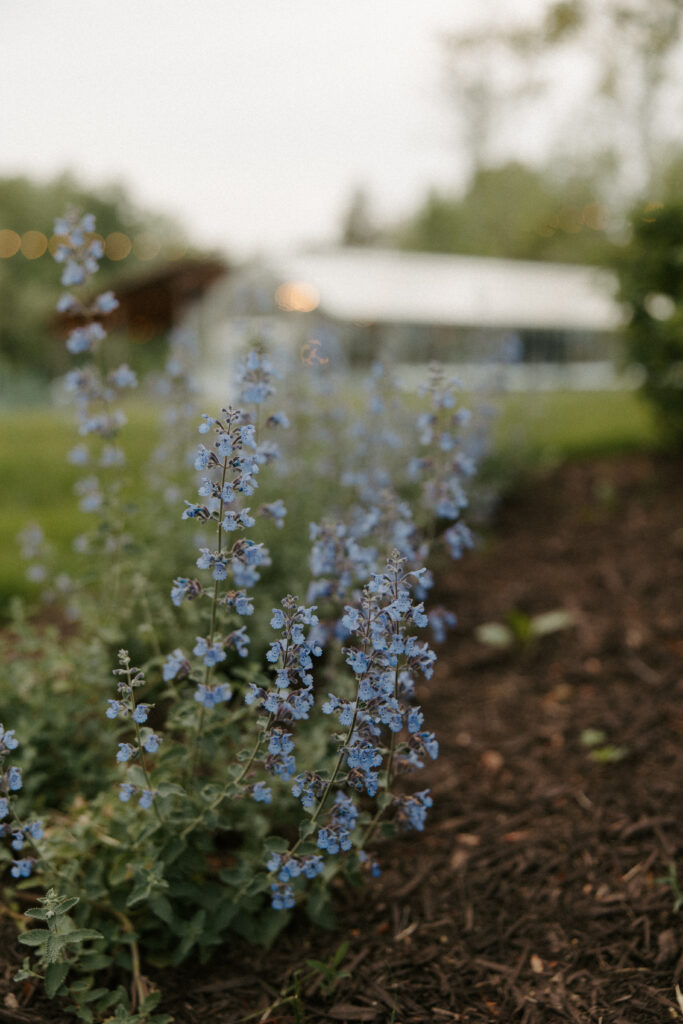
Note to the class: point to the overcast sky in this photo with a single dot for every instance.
(250, 120)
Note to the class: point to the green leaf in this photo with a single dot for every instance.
(53, 947)
(171, 789)
(94, 961)
(551, 622)
(137, 776)
(81, 935)
(94, 994)
(161, 906)
(608, 754)
(37, 937)
(84, 1013)
(494, 634)
(140, 892)
(41, 915)
(80, 986)
(319, 908)
(120, 872)
(150, 1003)
(276, 844)
(66, 906)
(592, 737)
(55, 975)
(306, 828)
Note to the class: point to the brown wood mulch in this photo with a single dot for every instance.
(535, 894)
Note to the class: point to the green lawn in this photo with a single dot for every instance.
(37, 482)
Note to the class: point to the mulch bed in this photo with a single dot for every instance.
(535, 894)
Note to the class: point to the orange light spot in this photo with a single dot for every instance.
(33, 244)
(9, 243)
(117, 246)
(297, 297)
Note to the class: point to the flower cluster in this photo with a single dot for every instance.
(291, 698)
(444, 470)
(145, 740)
(385, 660)
(21, 834)
(287, 867)
(94, 388)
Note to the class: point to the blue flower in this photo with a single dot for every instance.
(224, 446)
(126, 791)
(358, 661)
(21, 868)
(211, 654)
(35, 830)
(146, 798)
(8, 739)
(175, 663)
(210, 696)
(4, 807)
(151, 743)
(125, 752)
(115, 708)
(247, 435)
(202, 459)
(14, 778)
(141, 713)
(72, 274)
(282, 896)
(239, 639)
(105, 303)
(244, 605)
(262, 793)
(124, 377)
(278, 619)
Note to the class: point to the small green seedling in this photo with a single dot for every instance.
(599, 749)
(521, 630)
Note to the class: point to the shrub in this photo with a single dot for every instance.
(650, 270)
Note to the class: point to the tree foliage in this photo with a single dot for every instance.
(512, 211)
(650, 270)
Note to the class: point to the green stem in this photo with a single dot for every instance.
(212, 627)
(138, 735)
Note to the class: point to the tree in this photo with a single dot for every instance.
(631, 49)
(358, 226)
(512, 211)
(650, 271)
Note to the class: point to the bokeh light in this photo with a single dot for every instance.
(146, 246)
(9, 243)
(117, 246)
(33, 244)
(297, 297)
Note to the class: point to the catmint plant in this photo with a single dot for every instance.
(251, 722)
(94, 386)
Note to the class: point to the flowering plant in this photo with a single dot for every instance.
(238, 779)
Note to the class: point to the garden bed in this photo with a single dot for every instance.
(534, 895)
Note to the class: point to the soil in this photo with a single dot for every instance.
(536, 893)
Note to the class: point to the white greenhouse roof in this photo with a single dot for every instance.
(373, 285)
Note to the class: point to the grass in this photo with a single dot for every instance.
(37, 482)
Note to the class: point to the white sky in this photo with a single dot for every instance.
(250, 120)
